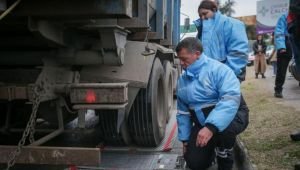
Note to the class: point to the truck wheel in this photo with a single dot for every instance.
(108, 128)
(168, 82)
(147, 117)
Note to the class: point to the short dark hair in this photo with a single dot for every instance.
(208, 4)
(191, 44)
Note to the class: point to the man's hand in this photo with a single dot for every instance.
(204, 135)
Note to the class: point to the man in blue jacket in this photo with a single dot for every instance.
(284, 53)
(223, 38)
(211, 110)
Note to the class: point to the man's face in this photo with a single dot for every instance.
(259, 37)
(187, 58)
(205, 13)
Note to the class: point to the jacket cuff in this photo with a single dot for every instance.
(212, 128)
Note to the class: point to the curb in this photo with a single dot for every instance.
(241, 156)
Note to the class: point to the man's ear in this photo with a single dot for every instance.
(198, 53)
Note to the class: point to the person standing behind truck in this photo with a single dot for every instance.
(223, 38)
(284, 53)
(259, 48)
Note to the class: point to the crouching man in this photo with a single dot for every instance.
(211, 111)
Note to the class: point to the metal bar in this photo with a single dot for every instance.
(142, 21)
(53, 155)
(17, 130)
(100, 106)
(170, 12)
(13, 92)
(141, 36)
(55, 133)
(8, 115)
(47, 138)
(176, 26)
(100, 85)
(160, 18)
(81, 118)
(75, 8)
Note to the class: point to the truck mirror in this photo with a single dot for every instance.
(187, 24)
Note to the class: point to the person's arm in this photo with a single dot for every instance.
(183, 120)
(198, 24)
(237, 46)
(225, 110)
(280, 33)
(264, 48)
(255, 47)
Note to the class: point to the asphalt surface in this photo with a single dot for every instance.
(291, 88)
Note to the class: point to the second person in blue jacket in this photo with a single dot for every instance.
(223, 38)
(284, 53)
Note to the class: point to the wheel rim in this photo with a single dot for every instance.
(159, 108)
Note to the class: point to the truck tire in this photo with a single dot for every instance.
(168, 82)
(108, 128)
(147, 117)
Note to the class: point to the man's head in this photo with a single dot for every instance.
(188, 51)
(207, 9)
(259, 37)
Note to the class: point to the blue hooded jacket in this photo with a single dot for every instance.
(205, 83)
(224, 39)
(281, 32)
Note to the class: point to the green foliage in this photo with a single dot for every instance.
(227, 8)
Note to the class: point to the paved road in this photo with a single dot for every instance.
(291, 89)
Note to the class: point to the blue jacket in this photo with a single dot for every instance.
(205, 83)
(225, 40)
(281, 32)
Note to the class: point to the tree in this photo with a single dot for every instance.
(227, 8)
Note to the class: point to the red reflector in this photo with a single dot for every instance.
(72, 167)
(90, 96)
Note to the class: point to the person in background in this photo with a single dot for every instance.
(224, 38)
(210, 107)
(284, 53)
(259, 48)
(273, 59)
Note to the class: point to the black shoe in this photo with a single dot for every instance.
(263, 76)
(256, 75)
(278, 94)
(295, 136)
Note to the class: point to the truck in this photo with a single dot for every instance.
(62, 59)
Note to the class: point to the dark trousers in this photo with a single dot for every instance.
(221, 144)
(283, 60)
